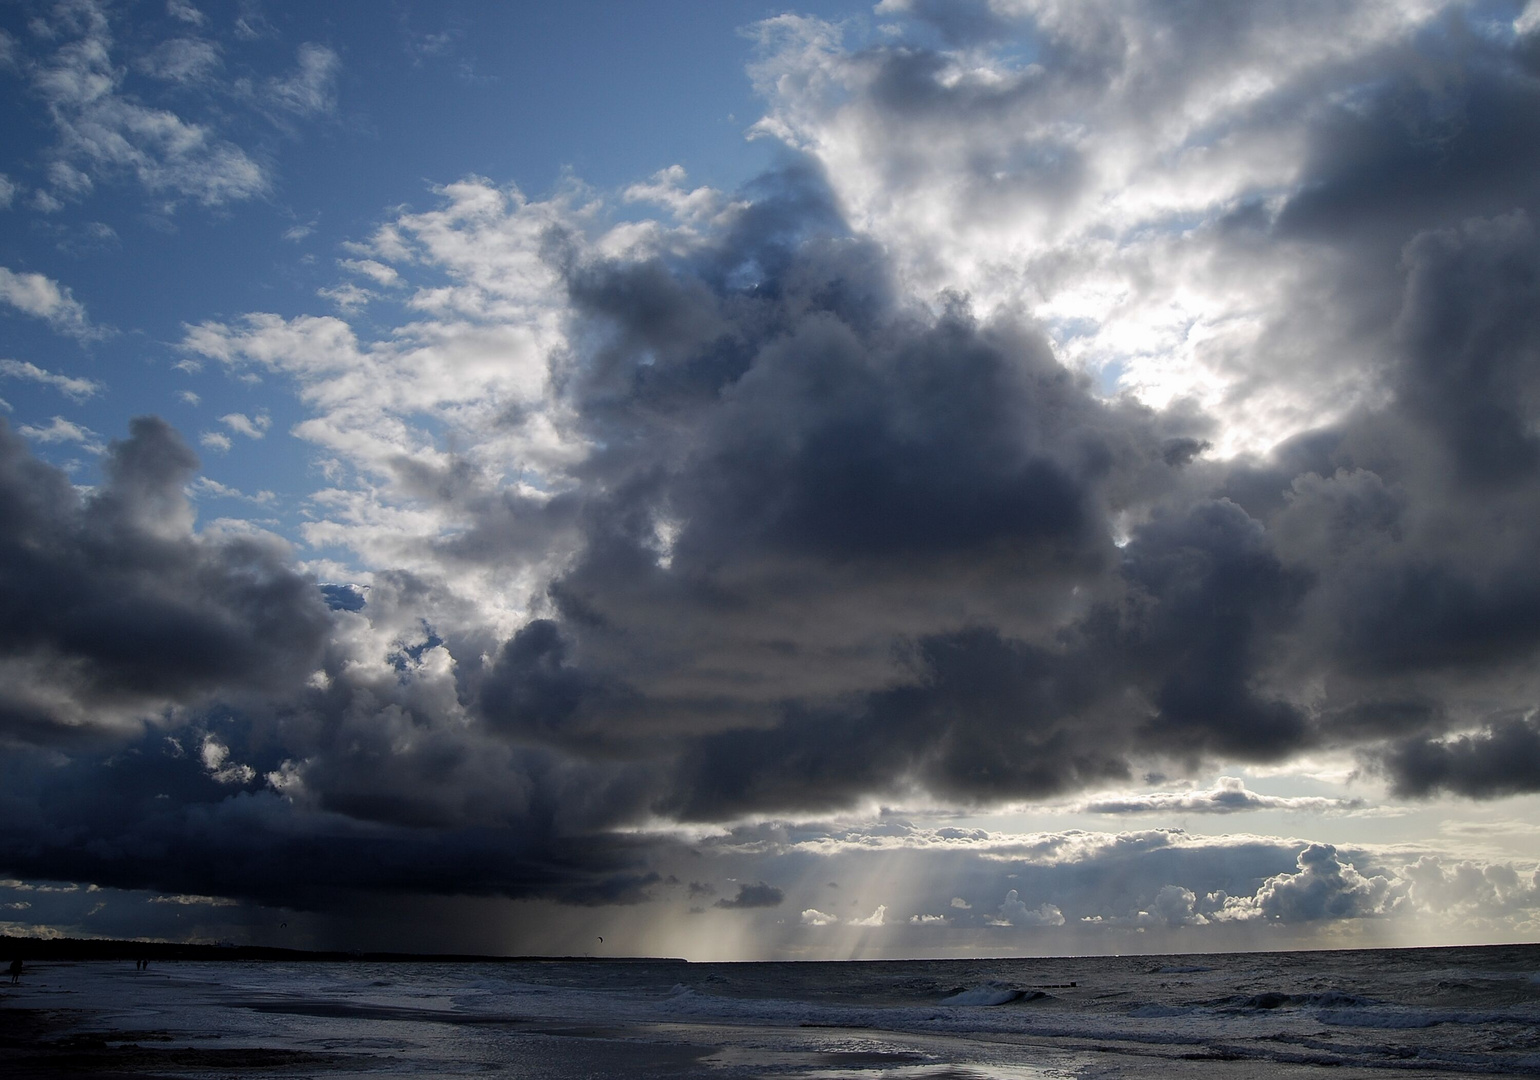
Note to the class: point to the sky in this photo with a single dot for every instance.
(940, 478)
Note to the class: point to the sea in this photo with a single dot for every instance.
(1433, 1012)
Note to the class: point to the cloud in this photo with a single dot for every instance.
(205, 486)
(373, 269)
(44, 298)
(60, 430)
(1324, 888)
(72, 387)
(310, 89)
(1164, 403)
(1501, 758)
(1015, 912)
(104, 133)
(753, 896)
(185, 900)
(251, 427)
(181, 9)
(1470, 888)
(101, 645)
(814, 917)
(181, 60)
(1229, 795)
(876, 918)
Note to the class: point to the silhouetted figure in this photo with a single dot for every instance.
(15, 972)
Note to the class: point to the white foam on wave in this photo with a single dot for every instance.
(988, 994)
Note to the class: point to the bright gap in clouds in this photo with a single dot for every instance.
(1072, 489)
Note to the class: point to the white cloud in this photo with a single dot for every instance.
(1015, 912)
(7, 192)
(814, 917)
(216, 761)
(1467, 888)
(215, 440)
(348, 297)
(1088, 192)
(1528, 20)
(34, 294)
(473, 368)
(371, 268)
(181, 9)
(102, 132)
(60, 430)
(77, 389)
(311, 88)
(182, 60)
(1325, 887)
(253, 427)
(693, 206)
(874, 919)
(205, 486)
(188, 397)
(1229, 795)
(193, 900)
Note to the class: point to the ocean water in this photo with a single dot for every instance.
(1435, 1012)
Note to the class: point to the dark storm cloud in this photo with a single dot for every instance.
(1501, 759)
(753, 896)
(109, 604)
(153, 816)
(849, 485)
(813, 444)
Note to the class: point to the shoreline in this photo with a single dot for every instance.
(56, 950)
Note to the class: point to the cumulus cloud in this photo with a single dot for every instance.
(814, 917)
(100, 644)
(1323, 888)
(876, 918)
(1015, 912)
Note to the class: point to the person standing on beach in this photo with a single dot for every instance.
(15, 972)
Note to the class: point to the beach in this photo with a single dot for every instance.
(1438, 1012)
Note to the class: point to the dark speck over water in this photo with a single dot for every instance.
(1434, 1012)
